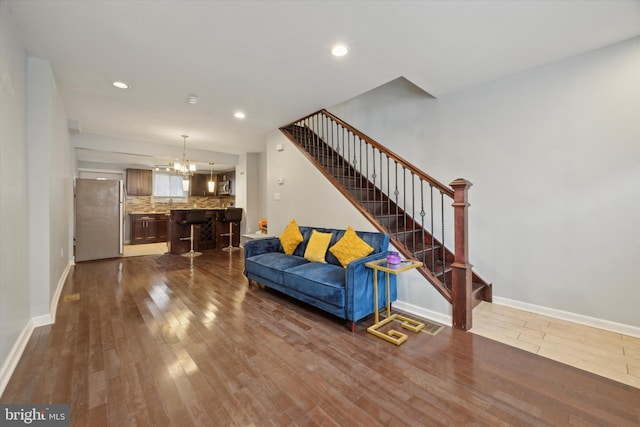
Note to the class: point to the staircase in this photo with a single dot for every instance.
(426, 220)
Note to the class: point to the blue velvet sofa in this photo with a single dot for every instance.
(344, 292)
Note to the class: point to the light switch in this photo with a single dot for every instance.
(276, 196)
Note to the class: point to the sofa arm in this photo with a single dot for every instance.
(359, 287)
(261, 246)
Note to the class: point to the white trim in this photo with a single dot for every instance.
(23, 339)
(43, 320)
(444, 319)
(58, 291)
(608, 325)
(14, 356)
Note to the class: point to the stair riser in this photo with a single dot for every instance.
(362, 194)
(353, 182)
(377, 208)
(392, 222)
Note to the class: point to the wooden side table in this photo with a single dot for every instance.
(392, 335)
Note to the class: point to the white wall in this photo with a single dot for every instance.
(50, 186)
(252, 186)
(306, 194)
(262, 186)
(554, 156)
(14, 270)
(39, 124)
(61, 213)
(36, 197)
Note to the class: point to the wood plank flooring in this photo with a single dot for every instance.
(168, 341)
(609, 354)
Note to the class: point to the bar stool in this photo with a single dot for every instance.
(195, 217)
(231, 216)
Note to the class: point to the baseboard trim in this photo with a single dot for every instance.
(15, 354)
(23, 339)
(56, 294)
(441, 318)
(594, 322)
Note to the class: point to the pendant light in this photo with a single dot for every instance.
(211, 184)
(185, 168)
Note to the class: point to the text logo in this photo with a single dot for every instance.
(34, 415)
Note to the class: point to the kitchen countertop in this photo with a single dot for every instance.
(168, 212)
(149, 213)
(198, 209)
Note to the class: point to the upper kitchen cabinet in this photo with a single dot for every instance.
(139, 182)
(200, 185)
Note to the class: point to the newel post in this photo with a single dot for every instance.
(462, 304)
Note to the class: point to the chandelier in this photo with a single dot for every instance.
(185, 168)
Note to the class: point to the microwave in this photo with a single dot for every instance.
(224, 187)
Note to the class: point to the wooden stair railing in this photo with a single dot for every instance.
(401, 200)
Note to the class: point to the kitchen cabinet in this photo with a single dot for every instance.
(162, 227)
(139, 182)
(148, 228)
(199, 185)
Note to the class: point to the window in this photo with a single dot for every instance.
(167, 185)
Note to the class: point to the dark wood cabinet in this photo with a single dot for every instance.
(162, 228)
(139, 182)
(199, 185)
(148, 228)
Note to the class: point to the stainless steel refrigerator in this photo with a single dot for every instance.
(99, 228)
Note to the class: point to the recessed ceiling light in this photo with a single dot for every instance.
(121, 85)
(239, 115)
(339, 50)
(193, 99)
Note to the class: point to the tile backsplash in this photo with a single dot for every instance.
(146, 204)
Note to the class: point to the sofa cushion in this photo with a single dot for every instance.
(271, 265)
(291, 237)
(317, 246)
(350, 247)
(325, 282)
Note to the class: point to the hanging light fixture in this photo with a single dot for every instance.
(211, 184)
(185, 168)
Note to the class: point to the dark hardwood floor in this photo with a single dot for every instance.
(163, 340)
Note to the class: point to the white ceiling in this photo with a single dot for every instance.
(272, 59)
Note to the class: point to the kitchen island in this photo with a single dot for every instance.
(206, 236)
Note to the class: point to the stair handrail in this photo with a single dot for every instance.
(440, 186)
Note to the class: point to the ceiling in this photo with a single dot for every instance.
(271, 59)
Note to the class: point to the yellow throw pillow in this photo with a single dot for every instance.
(350, 247)
(291, 237)
(317, 246)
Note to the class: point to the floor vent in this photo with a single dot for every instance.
(430, 327)
(71, 297)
